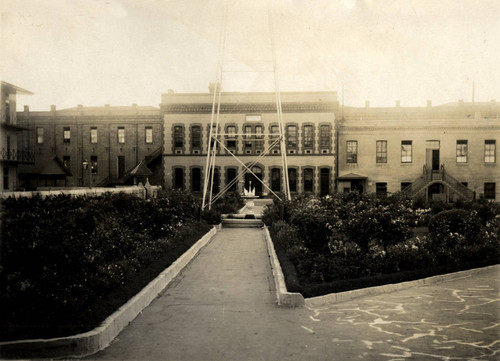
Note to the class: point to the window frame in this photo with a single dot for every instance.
(66, 134)
(292, 137)
(381, 152)
(93, 135)
(308, 137)
(325, 136)
(148, 134)
(196, 140)
(462, 152)
(406, 154)
(351, 154)
(40, 135)
(120, 135)
(490, 150)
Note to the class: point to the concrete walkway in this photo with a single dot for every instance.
(222, 307)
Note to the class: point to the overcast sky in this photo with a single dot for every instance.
(119, 52)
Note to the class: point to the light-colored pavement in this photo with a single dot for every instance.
(222, 307)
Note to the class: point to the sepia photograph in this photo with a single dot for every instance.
(250, 180)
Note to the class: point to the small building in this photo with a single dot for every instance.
(15, 142)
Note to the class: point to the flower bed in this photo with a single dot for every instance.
(68, 263)
(344, 242)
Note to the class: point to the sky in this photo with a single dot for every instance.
(124, 52)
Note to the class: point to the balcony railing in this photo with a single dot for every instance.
(17, 155)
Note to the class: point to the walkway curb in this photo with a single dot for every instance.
(285, 298)
(290, 299)
(88, 343)
(315, 302)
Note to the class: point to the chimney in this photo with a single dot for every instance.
(429, 103)
(26, 109)
(367, 103)
(398, 103)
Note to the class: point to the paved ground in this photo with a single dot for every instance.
(222, 307)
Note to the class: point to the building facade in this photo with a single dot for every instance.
(443, 152)
(92, 146)
(15, 142)
(249, 122)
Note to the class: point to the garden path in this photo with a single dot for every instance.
(222, 307)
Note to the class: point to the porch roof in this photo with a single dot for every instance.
(352, 176)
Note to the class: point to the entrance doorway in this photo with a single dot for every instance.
(356, 186)
(432, 155)
(253, 181)
(121, 166)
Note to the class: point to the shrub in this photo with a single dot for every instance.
(454, 228)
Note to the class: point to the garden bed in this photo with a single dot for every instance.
(343, 243)
(67, 264)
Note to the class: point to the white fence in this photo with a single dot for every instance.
(141, 191)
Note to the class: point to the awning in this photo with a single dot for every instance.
(352, 176)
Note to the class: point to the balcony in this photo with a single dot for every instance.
(17, 156)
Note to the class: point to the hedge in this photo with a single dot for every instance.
(67, 263)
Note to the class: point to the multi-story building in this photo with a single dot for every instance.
(14, 138)
(249, 122)
(441, 152)
(93, 146)
(438, 152)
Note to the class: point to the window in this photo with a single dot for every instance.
(259, 144)
(275, 130)
(178, 136)
(66, 135)
(276, 179)
(308, 137)
(291, 136)
(406, 151)
(489, 190)
(292, 179)
(93, 164)
(248, 136)
(231, 136)
(216, 183)
(405, 185)
(149, 135)
(93, 135)
(324, 136)
(7, 111)
(179, 178)
(39, 135)
(67, 162)
(121, 135)
(196, 179)
(490, 149)
(352, 151)
(230, 176)
(308, 180)
(196, 137)
(461, 151)
(381, 151)
(381, 189)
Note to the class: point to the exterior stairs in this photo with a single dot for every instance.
(430, 177)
